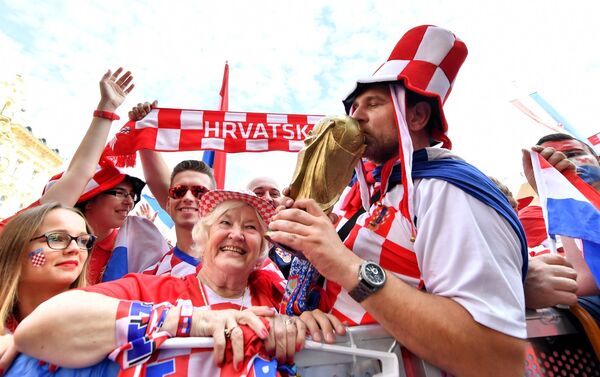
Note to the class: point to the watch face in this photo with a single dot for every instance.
(374, 274)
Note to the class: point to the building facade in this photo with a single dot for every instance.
(26, 162)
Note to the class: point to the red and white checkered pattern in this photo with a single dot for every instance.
(383, 239)
(212, 199)
(38, 258)
(191, 130)
(106, 177)
(426, 60)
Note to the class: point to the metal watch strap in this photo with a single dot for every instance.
(361, 291)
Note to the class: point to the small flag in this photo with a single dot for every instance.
(571, 208)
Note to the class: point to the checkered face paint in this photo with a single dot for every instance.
(37, 257)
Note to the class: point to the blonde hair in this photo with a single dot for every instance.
(13, 242)
(202, 227)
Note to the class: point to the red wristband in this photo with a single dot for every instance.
(106, 115)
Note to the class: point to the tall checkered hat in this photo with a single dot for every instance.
(106, 177)
(426, 60)
(212, 199)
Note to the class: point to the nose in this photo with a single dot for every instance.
(72, 248)
(189, 196)
(236, 233)
(359, 114)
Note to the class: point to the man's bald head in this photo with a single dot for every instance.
(265, 187)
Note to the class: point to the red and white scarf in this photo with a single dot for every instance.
(191, 130)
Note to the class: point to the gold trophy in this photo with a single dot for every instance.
(326, 162)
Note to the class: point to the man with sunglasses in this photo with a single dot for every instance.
(190, 180)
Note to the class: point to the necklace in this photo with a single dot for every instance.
(206, 301)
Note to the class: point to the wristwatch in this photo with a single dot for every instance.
(371, 277)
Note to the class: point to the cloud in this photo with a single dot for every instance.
(300, 57)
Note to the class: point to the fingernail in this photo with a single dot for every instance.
(239, 365)
(264, 333)
(316, 337)
(298, 347)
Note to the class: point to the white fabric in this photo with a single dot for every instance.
(468, 253)
(464, 249)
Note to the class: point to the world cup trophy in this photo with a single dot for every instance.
(326, 163)
(324, 168)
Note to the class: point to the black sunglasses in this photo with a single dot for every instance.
(179, 191)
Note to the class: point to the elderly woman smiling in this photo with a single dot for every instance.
(123, 317)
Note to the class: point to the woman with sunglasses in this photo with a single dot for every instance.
(43, 252)
(222, 300)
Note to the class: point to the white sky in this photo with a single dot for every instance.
(301, 57)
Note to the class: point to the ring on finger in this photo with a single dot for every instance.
(229, 331)
(290, 321)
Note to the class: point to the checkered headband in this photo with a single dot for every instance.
(106, 177)
(426, 60)
(212, 199)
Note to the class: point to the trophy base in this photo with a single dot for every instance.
(283, 247)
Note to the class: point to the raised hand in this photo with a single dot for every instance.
(145, 211)
(141, 110)
(557, 159)
(114, 87)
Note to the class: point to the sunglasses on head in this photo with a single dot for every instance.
(179, 191)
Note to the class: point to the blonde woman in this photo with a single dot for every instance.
(38, 260)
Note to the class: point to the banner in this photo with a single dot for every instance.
(170, 130)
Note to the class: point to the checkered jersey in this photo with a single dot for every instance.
(381, 235)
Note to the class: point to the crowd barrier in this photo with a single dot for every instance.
(557, 346)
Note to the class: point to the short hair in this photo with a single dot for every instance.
(561, 137)
(202, 227)
(193, 165)
(506, 191)
(13, 240)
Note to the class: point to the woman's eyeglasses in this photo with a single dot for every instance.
(62, 240)
(179, 191)
(123, 194)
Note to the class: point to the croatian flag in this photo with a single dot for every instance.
(139, 245)
(571, 208)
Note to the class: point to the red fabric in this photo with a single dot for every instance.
(352, 201)
(220, 161)
(264, 288)
(595, 139)
(99, 257)
(5, 221)
(532, 219)
(192, 130)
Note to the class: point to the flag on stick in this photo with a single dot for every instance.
(571, 208)
(218, 159)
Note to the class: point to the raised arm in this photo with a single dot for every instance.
(156, 171)
(114, 87)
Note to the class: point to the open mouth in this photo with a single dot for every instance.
(233, 249)
(188, 209)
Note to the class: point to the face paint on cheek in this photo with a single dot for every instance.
(37, 257)
(583, 160)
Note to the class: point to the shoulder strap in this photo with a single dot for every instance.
(345, 230)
